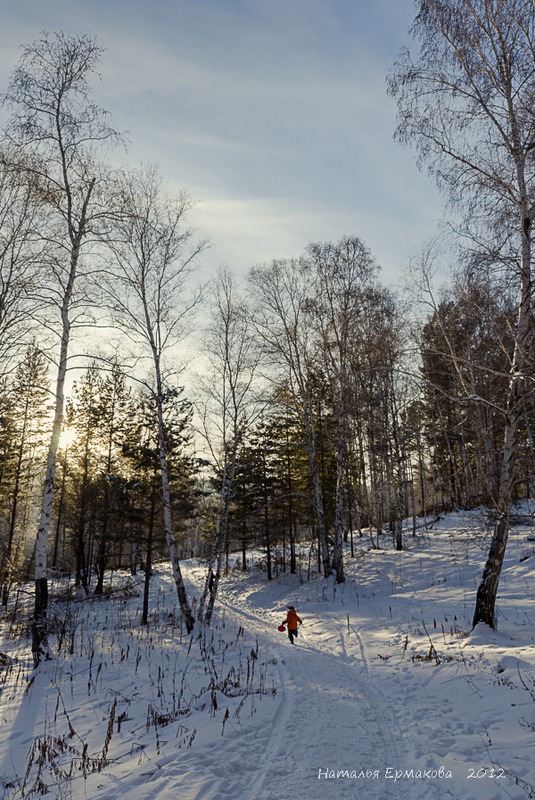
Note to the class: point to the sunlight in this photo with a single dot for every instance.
(67, 438)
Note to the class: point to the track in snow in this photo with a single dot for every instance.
(331, 717)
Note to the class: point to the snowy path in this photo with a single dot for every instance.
(328, 715)
(332, 717)
(357, 702)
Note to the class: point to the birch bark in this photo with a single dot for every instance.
(40, 648)
(231, 403)
(468, 104)
(150, 294)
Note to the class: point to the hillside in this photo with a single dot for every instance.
(386, 693)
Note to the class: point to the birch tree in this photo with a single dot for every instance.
(152, 299)
(54, 132)
(284, 299)
(343, 276)
(229, 407)
(467, 104)
(21, 253)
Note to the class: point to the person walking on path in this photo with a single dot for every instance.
(292, 622)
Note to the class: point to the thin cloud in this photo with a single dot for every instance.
(273, 114)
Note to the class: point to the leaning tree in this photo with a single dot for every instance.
(467, 103)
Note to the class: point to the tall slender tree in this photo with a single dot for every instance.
(117, 407)
(467, 104)
(84, 416)
(284, 299)
(30, 413)
(343, 276)
(152, 297)
(54, 131)
(22, 250)
(230, 404)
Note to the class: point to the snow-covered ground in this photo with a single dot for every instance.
(387, 692)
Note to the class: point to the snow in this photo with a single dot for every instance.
(387, 691)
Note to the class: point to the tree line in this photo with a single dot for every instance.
(324, 408)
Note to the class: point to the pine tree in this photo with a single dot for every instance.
(84, 416)
(117, 410)
(141, 449)
(29, 414)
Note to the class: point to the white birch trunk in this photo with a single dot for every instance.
(221, 534)
(40, 649)
(488, 588)
(312, 452)
(338, 551)
(166, 501)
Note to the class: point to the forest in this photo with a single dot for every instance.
(148, 413)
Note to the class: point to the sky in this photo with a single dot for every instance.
(272, 114)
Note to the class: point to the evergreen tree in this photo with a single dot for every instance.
(141, 450)
(464, 346)
(117, 407)
(28, 423)
(84, 416)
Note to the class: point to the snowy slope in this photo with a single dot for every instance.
(386, 693)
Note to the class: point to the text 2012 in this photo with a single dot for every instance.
(486, 772)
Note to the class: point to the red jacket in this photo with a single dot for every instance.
(292, 619)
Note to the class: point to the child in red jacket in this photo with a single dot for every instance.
(292, 621)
